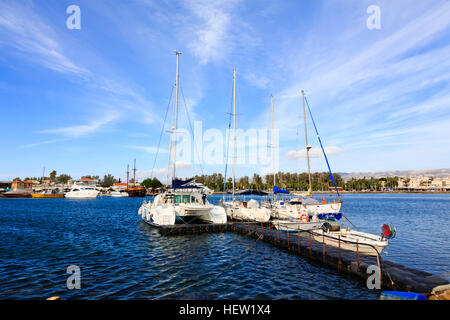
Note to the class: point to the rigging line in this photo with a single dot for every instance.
(228, 144)
(162, 131)
(323, 150)
(192, 131)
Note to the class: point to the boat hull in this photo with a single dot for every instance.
(74, 195)
(16, 194)
(248, 214)
(46, 196)
(292, 226)
(367, 244)
(136, 192)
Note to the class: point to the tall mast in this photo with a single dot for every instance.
(175, 113)
(272, 143)
(234, 131)
(128, 174)
(134, 173)
(308, 147)
(173, 134)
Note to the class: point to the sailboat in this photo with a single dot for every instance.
(288, 215)
(246, 210)
(183, 201)
(301, 213)
(135, 191)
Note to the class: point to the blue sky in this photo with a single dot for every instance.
(89, 101)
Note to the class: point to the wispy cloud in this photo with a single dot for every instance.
(82, 130)
(26, 32)
(149, 149)
(211, 41)
(313, 153)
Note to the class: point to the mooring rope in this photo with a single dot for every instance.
(192, 131)
(162, 131)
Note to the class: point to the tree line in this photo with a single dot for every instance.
(320, 181)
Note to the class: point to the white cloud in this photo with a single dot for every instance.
(149, 149)
(257, 80)
(211, 41)
(183, 165)
(31, 36)
(81, 130)
(313, 153)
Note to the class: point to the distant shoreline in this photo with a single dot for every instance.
(362, 192)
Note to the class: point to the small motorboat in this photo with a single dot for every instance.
(17, 193)
(49, 194)
(119, 194)
(364, 243)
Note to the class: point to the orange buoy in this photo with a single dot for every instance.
(304, 218)
(323, 200)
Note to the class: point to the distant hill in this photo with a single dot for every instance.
(436, 173)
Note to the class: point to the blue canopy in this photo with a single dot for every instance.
(278, 190)
(184, 184)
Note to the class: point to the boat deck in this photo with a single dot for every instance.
(393, 276)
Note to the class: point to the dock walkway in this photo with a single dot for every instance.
(393, 276)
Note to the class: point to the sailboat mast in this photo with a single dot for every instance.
(234, 131)
(308, 147)
(128, 174)
(173, 128)
(272, 143)
(175, 114)
(134, 173)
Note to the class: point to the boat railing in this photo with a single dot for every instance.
(339, 240)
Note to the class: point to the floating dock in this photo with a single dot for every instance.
(392, 276)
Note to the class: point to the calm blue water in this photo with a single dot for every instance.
(121, 257)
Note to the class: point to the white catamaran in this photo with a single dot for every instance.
(184, 200)
(243, 210)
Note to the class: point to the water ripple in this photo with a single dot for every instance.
(121, 257)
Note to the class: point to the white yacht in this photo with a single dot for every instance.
(82, 192)
(185, 200)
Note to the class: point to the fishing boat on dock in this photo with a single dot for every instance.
(347, 239)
